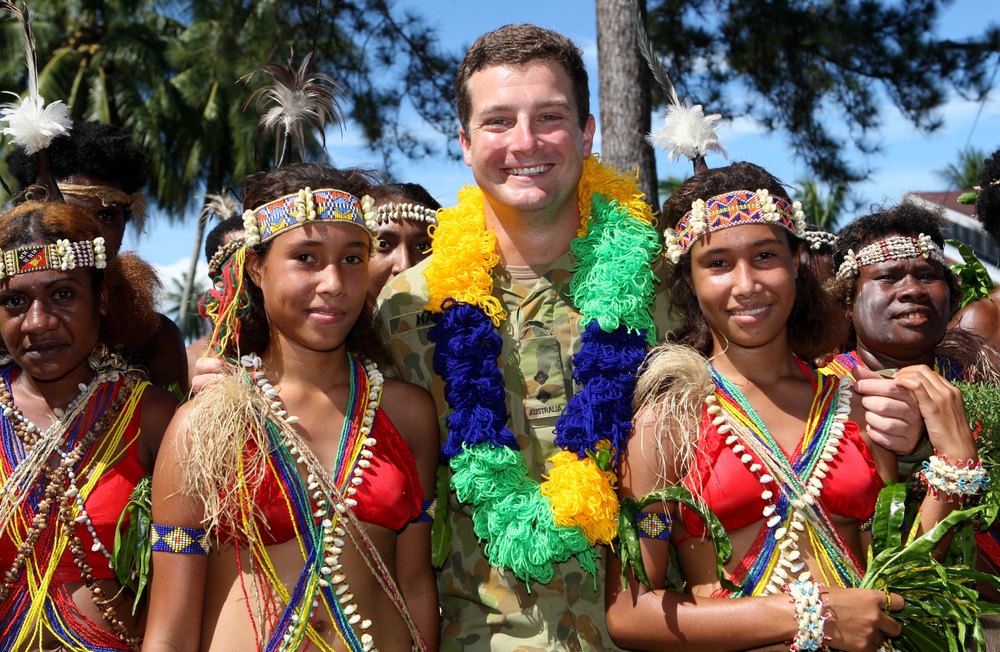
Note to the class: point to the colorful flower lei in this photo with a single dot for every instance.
(528, 525)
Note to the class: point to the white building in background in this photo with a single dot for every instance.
(962, 226)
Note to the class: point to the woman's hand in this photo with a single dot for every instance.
(892, 413)
(205, 371)
(941, 407)
(858, 619)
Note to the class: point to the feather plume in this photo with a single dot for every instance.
(221, 205)
(32, 125)
(686, 130)
(299, 97)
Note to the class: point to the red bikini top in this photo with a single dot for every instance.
(390, 495)
(733, 492)
(104, 505)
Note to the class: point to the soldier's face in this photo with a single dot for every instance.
(525, 144)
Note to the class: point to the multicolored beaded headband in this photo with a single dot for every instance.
(63, 255)
(895, 247)
(384, 213)
(299, 208)
(733, 208)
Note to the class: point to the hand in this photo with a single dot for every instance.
(892, 413)
(942, 409)
(206, 370)
(858, 620)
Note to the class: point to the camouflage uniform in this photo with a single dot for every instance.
(486, 608)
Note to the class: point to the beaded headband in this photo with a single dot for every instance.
(895, 247)
(224, 253)
(733, 208)
(384, 213)
(63, 255)
(299, 208)
(816, 239)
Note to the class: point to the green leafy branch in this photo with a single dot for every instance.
(976, 281)
(132, 553)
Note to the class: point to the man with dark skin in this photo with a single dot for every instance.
(99, 168)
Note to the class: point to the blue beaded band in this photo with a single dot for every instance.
(427, 512)
(654, 525)
(179, 539)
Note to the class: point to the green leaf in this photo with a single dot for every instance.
(976, 281)
(441, 528)
(713, 527)
(130, 558)
(890, 512)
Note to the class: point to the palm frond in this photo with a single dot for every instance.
(297, 97)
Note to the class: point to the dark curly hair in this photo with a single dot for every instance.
(213, 241)
(366, 339)
(906, 219)
(816, 324)
(988, 197)
(98, 149)
(133, 285)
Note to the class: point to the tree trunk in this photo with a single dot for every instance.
(182, 310)
(624, 81)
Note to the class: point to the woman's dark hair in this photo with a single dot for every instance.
(411, 192)
(988, 197)
(98, 149)
(906, 219)
(215, 237)
(816, 324)
(131, 284)
(365, 338)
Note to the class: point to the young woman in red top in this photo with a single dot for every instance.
(786, 458)
(313, 519)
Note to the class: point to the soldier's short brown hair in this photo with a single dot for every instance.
(519, 45)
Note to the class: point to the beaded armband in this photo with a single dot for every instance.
(809, 614)
(179, 539)
(959, 482)
(427, 511)
(653, 525)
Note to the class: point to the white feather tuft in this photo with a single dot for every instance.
(32, 124)
(688, 132)
(292, 105)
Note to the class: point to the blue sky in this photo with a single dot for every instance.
(907, 162)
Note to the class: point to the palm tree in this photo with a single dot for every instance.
(220, 205)
(963, 174)
(175, 308)
(107, 61)
(823, 210)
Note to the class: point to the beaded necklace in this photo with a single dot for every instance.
(842, 365)
(42, 504)
(791, 489)
(317, 506)
(527, 525)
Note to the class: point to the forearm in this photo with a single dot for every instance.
(657, 619)
(422, 600)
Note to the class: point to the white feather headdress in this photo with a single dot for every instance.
(32, 125)
(686, 130)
